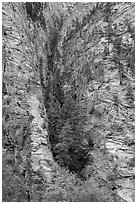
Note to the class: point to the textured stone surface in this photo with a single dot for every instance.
(41, 156)
(123, 154)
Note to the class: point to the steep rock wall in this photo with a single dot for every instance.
(41, 156)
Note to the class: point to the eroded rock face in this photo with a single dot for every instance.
(30, 156)
(41, 155)
(123, 155)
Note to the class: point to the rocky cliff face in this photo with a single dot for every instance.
(27, 50)
(41, 156)
(35, 156)
(23, 129)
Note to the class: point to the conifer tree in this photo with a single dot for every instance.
(74, 151)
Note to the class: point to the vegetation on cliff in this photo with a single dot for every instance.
(77, 62)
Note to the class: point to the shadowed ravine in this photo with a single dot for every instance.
(115, 146)
(68, 101)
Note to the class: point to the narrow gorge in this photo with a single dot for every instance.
(68, 102)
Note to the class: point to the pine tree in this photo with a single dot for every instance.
(53, 118)
(72, 151)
